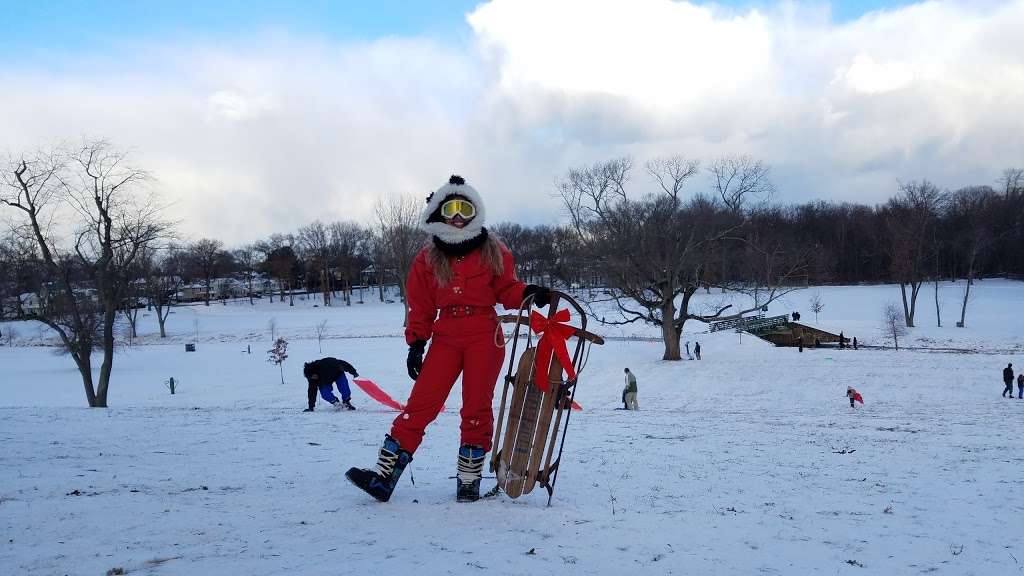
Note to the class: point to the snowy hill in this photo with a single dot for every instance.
(749, 461)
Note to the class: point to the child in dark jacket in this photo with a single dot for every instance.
(322, 375)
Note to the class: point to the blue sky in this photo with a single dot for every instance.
(232, 104)
(48, 27)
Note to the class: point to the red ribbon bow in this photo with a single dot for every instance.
(553, 333)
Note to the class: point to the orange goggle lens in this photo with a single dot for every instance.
(463, 208)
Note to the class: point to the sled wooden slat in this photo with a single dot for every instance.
(543, 426)
(515, 449)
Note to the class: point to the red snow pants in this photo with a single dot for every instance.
(460, 345)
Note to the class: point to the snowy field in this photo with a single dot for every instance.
(747, 462)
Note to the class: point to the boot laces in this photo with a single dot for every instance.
(470, 468)
(386, 462)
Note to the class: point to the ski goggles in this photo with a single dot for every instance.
(455, 207)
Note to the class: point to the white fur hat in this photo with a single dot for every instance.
(456, 186)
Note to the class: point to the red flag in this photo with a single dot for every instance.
(374, 391)
(553, 333)
(858, 397)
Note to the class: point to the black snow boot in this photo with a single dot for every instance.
(380, 483)
(347, 405)
(471, 466)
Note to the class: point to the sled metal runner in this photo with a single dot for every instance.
(532, 422)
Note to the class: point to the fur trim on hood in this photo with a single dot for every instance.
(429, 220)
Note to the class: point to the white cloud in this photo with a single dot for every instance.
(870, 77)
(266, 135)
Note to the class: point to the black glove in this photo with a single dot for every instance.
(541, 295)
(414, 362)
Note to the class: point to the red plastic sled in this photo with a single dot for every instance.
(374, 391)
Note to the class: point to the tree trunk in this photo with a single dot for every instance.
(938, 311)
(908, 307)
(669, 333)
(967, 293)
(915, 289)
(108, 356)
(325, 286)
(84, 362)
(161, 319)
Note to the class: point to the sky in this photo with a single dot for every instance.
(258, 117)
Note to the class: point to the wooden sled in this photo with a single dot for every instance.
(537, 420)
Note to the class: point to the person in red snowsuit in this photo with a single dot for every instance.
(853, 395)
(451, 291)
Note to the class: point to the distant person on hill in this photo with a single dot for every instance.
(842, 340)
(796, 316)
(696, 349)
(854, 342)
(853, 395)
(322, 375)
(629, 391)
(1008, 380)
(1020, 386)
(688, 357)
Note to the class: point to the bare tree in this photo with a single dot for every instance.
(247, 260)
(739, 179)
(401, 238)
(347, 242)
(162, 269)
(272, 327)
(94, 190)
(892, 323)
(588, 192)
(316, 245)
(205, 255)
(280, 263)
(968, 209)
(1012, 181)
(321, 329)
(910, 217)
(656, 251)
(817, 305)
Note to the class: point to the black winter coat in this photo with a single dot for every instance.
(326, 370)
(1008, 375)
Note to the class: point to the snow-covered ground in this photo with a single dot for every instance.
(747, 462)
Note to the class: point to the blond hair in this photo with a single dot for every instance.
(490, 253)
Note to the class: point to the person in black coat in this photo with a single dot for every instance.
(1008, 380)
(322, 375)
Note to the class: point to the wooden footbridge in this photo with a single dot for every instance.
(779, 330)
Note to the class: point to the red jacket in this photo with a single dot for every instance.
(473, 284)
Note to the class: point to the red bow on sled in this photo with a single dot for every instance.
(553, 333)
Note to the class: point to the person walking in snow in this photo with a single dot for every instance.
(688, 357)
(853, 395)
(322, 375)
(452, 288)
(696, 350)
(629, 392)
(1008, 380)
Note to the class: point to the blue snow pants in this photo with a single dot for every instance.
(327, 390)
